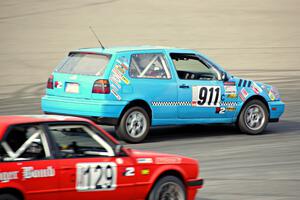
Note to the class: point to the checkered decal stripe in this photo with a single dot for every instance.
(186, 103)
(229, 103)
(168, 103)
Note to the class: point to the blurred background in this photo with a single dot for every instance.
(253, 39)
(257, 39)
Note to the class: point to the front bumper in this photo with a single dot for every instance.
(276, 110)
(192, 187)
(196, 183)
(82, 107)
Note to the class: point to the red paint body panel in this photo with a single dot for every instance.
(57, 178)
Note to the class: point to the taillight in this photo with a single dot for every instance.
(50, 82)
(101, 86)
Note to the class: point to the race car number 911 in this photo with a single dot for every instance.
(96, 176)
(207, 96)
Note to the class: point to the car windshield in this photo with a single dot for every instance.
(84, 64)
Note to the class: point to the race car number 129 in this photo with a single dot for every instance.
(96, 176)
(207, 96)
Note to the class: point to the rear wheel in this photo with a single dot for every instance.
(134, 125)
(253, 118)
(168, 187)
(8, 197)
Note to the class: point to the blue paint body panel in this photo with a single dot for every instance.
(170, 103)
(88, 108)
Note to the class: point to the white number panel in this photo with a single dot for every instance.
(206, 96)
(96, 176)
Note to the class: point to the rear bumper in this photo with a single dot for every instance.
(276, 110)
(83, 107)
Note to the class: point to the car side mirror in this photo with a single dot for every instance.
(224, 76)
(118, 150)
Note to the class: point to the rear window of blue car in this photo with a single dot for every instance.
(84, 64)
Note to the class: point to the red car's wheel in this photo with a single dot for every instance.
(168, 187)
(8, 197)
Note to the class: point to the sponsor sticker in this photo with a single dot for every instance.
(275, 93)
(120, 69)
(194, 103)
(116, 94)
(117, 73)
(256, 89)
(8, 176)
(114, 88)
(123, 62)
(125, 80)
(120, 76)
(230, 88)
(113, 80)
(229, 83)
(231, 109)
(27, 173)
(117, 79)
(30, 172)
(243, 94)
(271, 95)
(129, 171)
(58, 84)
(232, 96)
(144, 160)
(168, 160)
(220, 110)
(125, 66)
(145, 171)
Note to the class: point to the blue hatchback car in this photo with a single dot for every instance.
(134, 88)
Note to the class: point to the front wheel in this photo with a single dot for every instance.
(134, 125)
(168, 187)
(8, 197)
(254, 117)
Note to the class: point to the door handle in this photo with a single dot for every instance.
(184, 86)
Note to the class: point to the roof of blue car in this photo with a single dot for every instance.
(111, 50)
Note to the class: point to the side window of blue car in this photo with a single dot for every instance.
(191, 67)
(149, 65)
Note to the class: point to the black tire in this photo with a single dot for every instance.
(244, 124)
(159, 189)
(8, 197)
(125, 133)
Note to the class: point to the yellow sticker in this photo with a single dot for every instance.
(232, 96)
(231, 109)
(126, 81)
(145, 171)
(272, 96)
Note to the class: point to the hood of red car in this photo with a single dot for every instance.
(159, 158)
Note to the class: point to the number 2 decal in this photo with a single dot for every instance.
(206, 96)
(96, 176)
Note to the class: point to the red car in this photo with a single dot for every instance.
(60, 157)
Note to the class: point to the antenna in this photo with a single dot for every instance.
(96, 37)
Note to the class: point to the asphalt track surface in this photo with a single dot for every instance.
(257, 39)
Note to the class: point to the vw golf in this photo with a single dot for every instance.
(134, 88)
